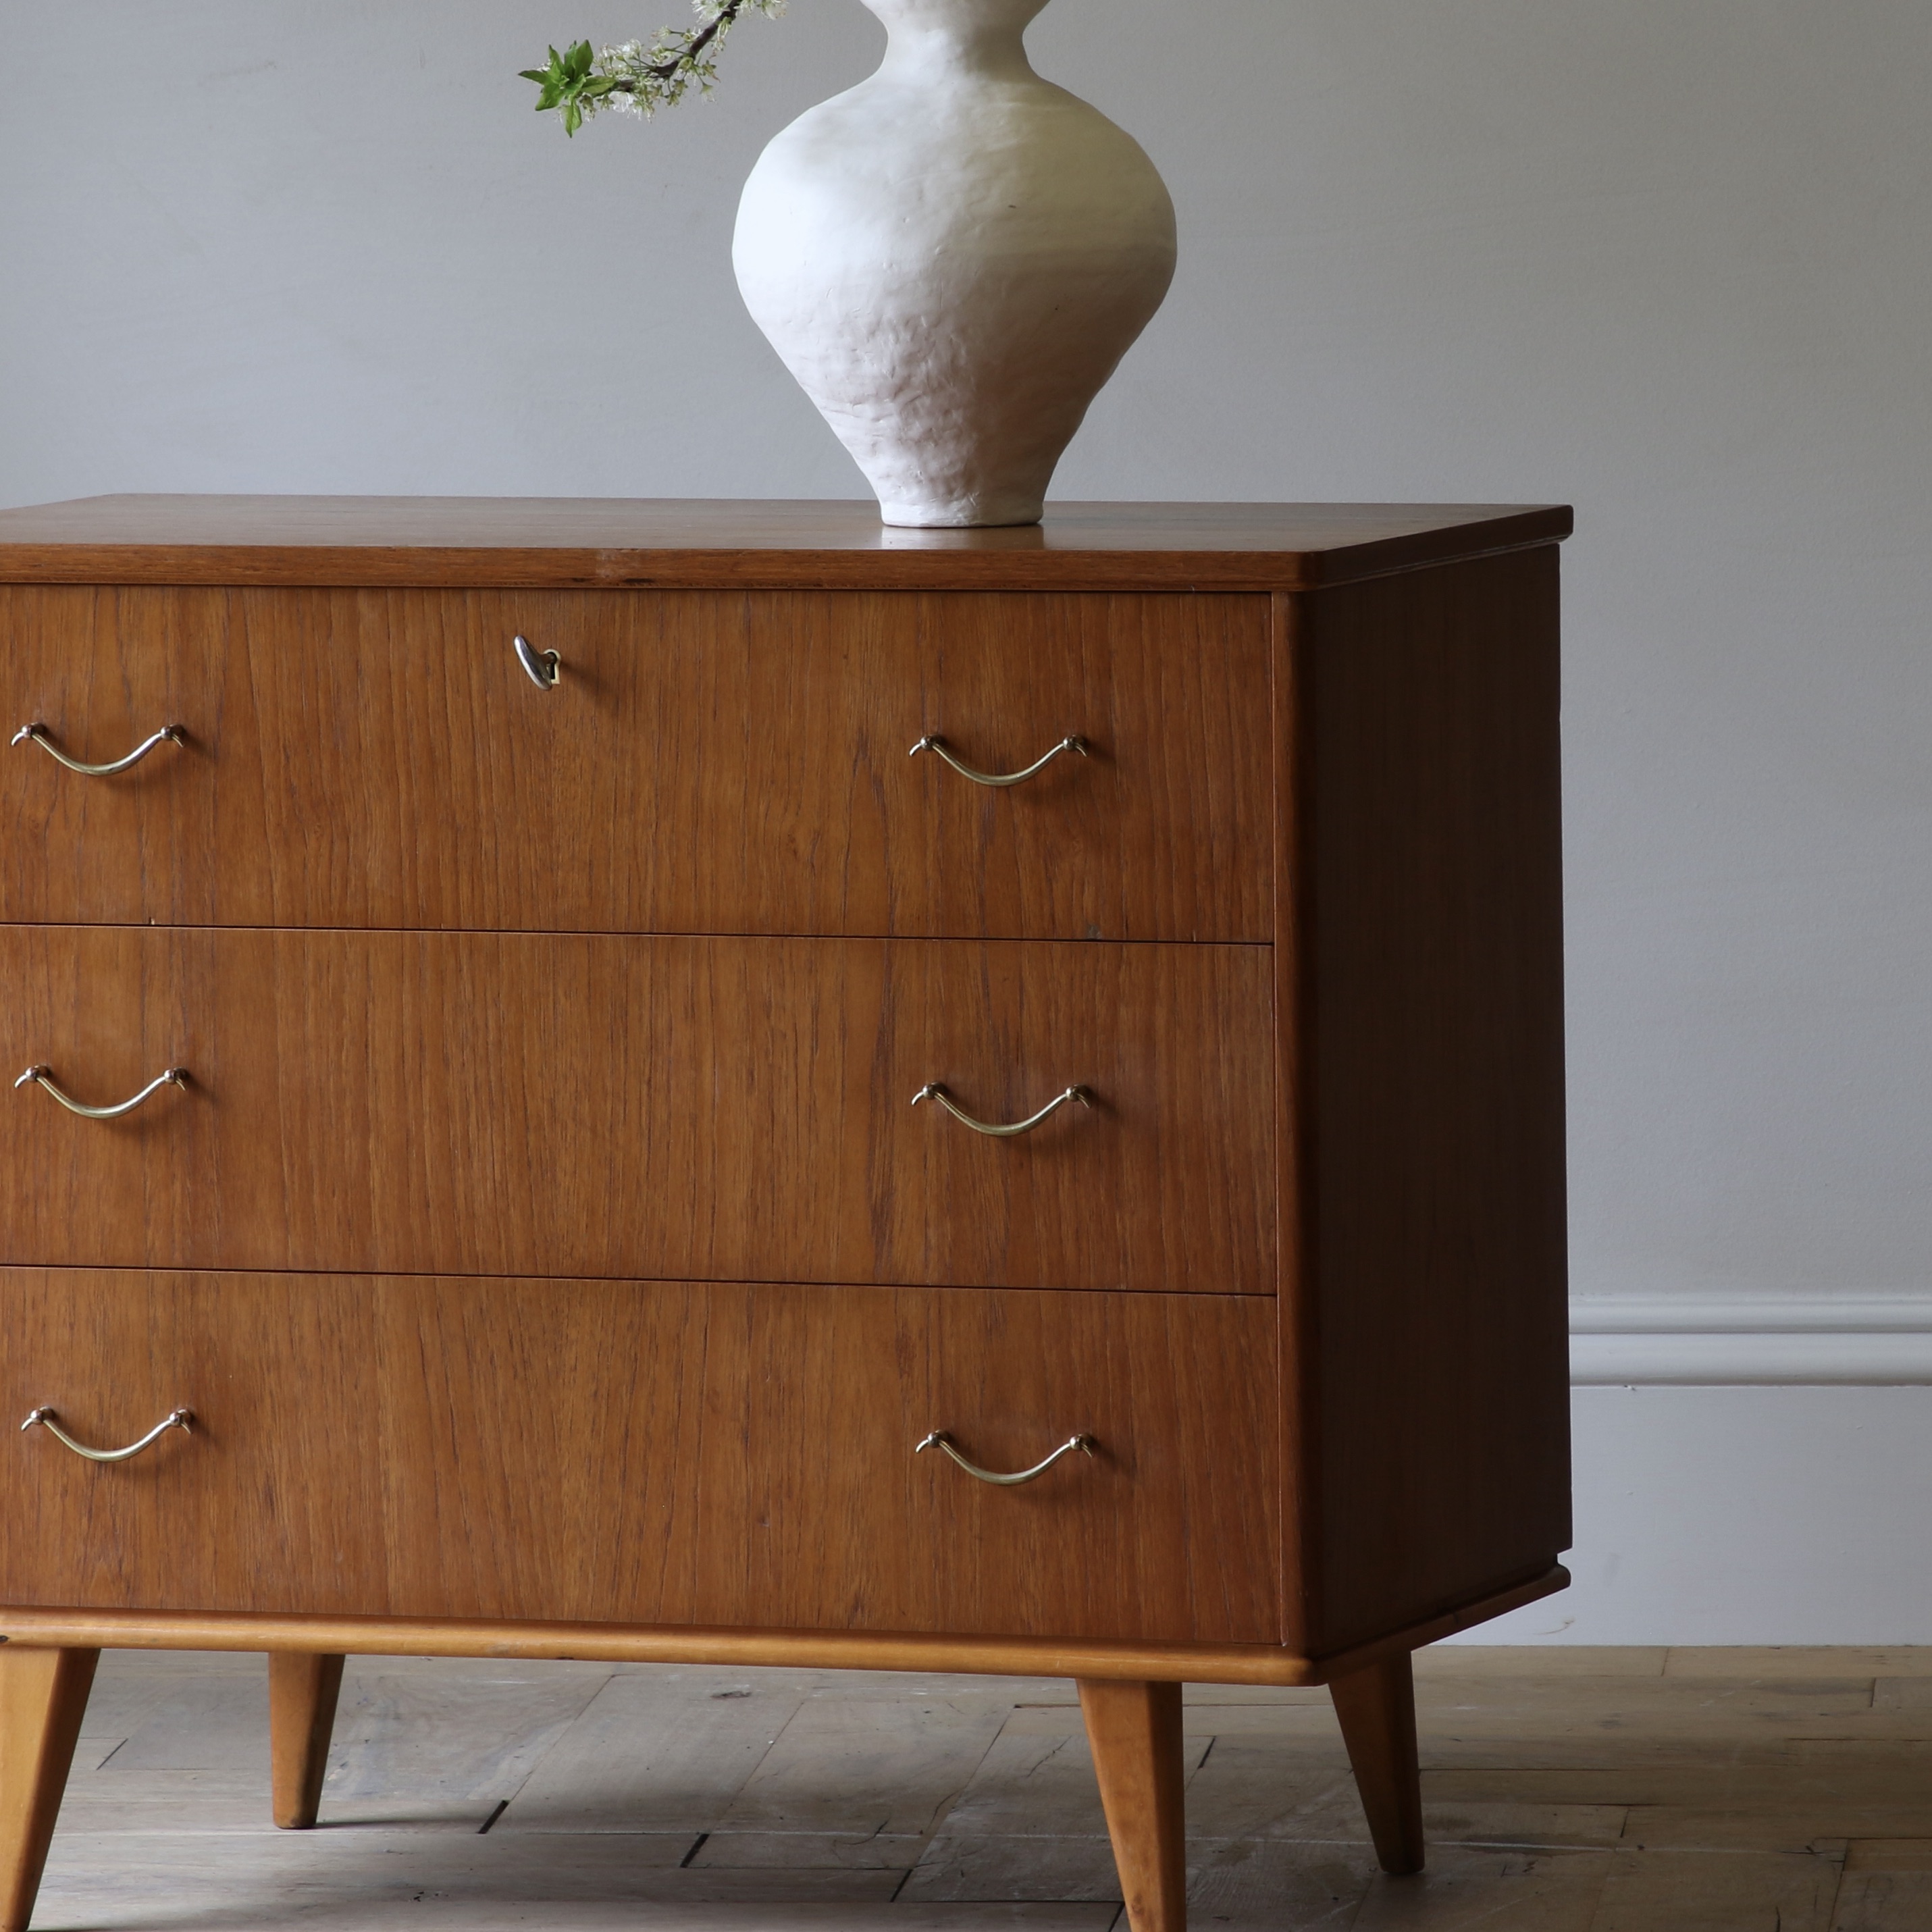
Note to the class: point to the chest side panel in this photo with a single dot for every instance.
(1428, 1361)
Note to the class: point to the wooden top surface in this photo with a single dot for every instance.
(476, 542)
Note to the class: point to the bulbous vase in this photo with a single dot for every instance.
(951, 258)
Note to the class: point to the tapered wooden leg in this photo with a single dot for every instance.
(1135, 1731)
(302, 1691)
(43, 1698)
(1377, 1709)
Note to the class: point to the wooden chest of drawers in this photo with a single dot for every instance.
(569, 1224)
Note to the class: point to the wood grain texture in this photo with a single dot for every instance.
(631, 1277)
(729, 1456)
(1134, 1731)
(709, 763)
(274, 1498)
(43, 1699)
(303, 1689)
(719, 1109)
(1376, 1710)
(1251, 1664)
(1427, 1329)
(666, 1454)
(472, 542)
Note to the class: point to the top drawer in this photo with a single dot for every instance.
(708, 762)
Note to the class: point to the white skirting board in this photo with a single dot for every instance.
(1750, 1469)
(1744, 1515)
(1875, 1340)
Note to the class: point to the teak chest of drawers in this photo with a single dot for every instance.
(633, 1165)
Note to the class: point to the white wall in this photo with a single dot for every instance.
(1744, 1515)
(1667, 258)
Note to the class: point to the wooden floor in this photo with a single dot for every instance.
(1568, 1791)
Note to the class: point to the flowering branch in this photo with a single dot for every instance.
(634, 79)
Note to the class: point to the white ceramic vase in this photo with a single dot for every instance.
(952, 259)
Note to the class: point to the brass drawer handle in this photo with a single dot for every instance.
(43, 1076)
(169, 734)
(543, 667)
(43, 1418)
(939, 745)
(933, 1091)
(939, 1439)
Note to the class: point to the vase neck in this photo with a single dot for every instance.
(933, 43)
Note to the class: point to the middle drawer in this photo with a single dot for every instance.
(712, 1109)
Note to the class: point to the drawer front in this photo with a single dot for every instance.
(661, 1453)
(708, 762)
(670, 1109)
(272, 1497)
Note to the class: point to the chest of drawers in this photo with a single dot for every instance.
(562, 1220)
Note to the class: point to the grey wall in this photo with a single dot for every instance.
(1667, 258)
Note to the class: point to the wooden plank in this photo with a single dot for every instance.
(1467, 1889)
(1428, 1380)
(709, 763)
(206, 1725)
(1278, 1883)
(105, 1805)
(1036, 1780)
(473, 541)
(729, 1109)
(1892, 1855)
(1659, 1891)
(1884, 1901)
(445, 1880)
(411, 1735)
(987, 1870)
(1842, 1796)
(665, 1750)
(808, 1851)
(1519, 1827)
(1767, 1662)
(1463, 1662)
(1769, 1826)
(886, 1767)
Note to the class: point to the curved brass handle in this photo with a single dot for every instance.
(169, 734)
(543, 668)
(43, 1418)
(945, 750)
(933, 1091)
(939, 1439)
(43, 1076)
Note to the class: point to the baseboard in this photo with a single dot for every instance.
(1776, 1515)
(1871, 1340)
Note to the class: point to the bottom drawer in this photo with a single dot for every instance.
(661, 1453)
